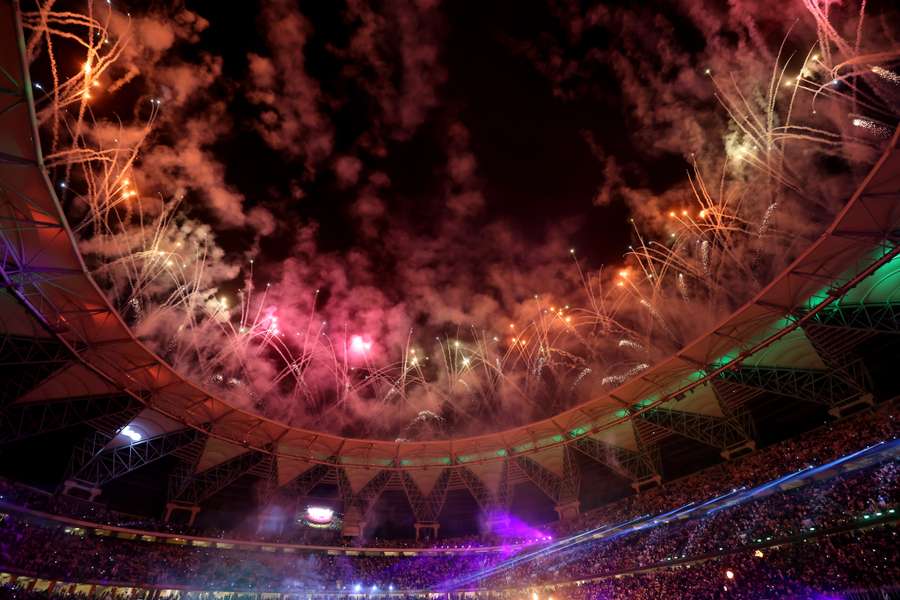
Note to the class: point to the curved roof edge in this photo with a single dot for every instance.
(45, 272)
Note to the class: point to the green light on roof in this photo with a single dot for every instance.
(444, 460)
(726, 358)
(785, 322)
(405, 462)
(818, 298)
(868, 285)
(696, 375)
(557, 438)
(621, 413)
(501, 452)
(578, 431)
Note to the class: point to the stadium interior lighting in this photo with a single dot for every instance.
(131, 433)
(321, 515)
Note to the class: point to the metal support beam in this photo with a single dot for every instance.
(25, 362)
(835, 346)
(426, 509)
(365, 498)
(505, 493)
(438, 496)
(719, 432)
(369, 494)
(483, 496)
(877, 318)
(545, 480)
(296, 488)
(267, 485)
(28, 419)
(570, 485)
(304, 483)
(417, 501)
(627, 463)
(345, 490)
(106, 427)
(194, 488)
(100, 467)
(821, 387)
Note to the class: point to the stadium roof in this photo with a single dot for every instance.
(90, 353)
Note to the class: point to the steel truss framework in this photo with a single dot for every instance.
(28, 419)
(426, 509)
(301, 485)
(309, 479)
(821, 387)
(27, 361)
(194, 488)
(717, 432)
(99, 465)
(633, 465)
(549, 483)
(487, 500)
(879, 318)
(364, 499)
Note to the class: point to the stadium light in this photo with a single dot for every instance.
(131, 434)
(320, 515)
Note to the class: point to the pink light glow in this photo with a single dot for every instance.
(358, 345)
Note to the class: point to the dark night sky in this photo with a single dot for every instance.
(533, 159)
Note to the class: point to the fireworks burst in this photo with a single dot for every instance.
(170, 279)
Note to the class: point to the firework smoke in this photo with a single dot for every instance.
(318, 339)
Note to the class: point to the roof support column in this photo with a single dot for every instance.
(431, 527)
(78, 489)
(172, 507)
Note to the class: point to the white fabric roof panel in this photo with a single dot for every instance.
(216, 452)
(148, 423)
(72, 381)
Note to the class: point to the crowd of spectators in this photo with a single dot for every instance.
(822, 520)
(856, 565)
(840, 501)
(94, 512)
(813, 448)
(836, 502)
